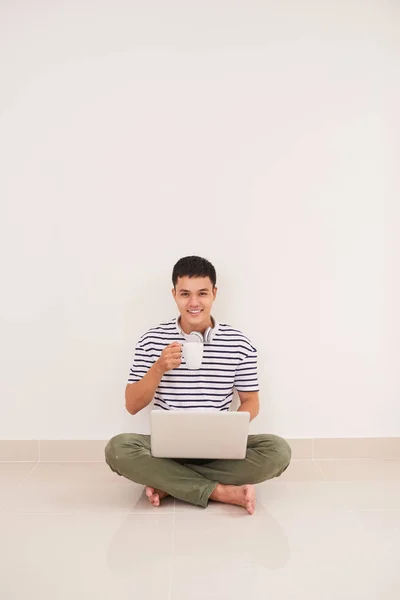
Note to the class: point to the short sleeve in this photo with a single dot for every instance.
(141, 364)
(246, 378)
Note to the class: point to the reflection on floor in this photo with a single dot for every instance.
(325, 530)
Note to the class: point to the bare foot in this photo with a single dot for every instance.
(242, 495)
(155, 496)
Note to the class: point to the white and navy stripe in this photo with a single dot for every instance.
(229, 361)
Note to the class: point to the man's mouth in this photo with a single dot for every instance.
(194, 312)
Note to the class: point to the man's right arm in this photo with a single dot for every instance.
(139, 395)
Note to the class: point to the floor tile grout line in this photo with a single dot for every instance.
(17, 462)
(321, 470)
(19, 485)
(45, 514)
(387, 458)
(78, 462)
(374, 509)
(69, 462)
(362, 459)
(27, 475)
(78, 513)
(43, 462)
(171, 574)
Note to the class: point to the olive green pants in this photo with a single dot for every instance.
(193, 481)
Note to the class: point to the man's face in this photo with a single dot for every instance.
(194, 297)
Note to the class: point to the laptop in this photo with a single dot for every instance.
(199, 434)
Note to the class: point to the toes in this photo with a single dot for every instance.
(153, 497)
(149, 492)
(250, 507)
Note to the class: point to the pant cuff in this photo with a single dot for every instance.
(205, 496)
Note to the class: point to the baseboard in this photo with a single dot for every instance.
(93, 450)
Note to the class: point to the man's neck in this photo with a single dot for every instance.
(187, 328)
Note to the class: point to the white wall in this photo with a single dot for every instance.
(257, 134)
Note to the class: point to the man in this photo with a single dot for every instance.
(229, 361)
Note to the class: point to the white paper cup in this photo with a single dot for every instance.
(193, 354)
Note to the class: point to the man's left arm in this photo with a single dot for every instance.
(249, 402)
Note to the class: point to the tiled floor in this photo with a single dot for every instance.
(325, 530)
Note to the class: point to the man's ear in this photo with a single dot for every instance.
(173, 292)
(215, 290)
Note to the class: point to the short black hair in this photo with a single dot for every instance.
(194, 266)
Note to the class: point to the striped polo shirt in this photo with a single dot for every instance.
(229, 361)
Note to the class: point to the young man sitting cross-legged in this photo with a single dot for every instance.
(157, 373)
